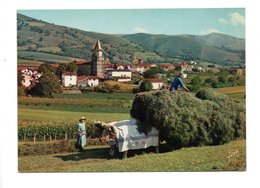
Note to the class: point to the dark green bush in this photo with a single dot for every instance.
(208, 118)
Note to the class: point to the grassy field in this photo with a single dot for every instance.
(57, 115)
(102, 107)
(228, 157)
(238, 93)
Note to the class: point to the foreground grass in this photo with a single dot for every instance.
(228, 157)
(56, 115)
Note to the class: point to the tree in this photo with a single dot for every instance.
(21, 89)
(71, 67)
(222, 79)
(146, 86)
(46, 68)
(153, 72)
(196, 83)
(47, 86)
(61, 69)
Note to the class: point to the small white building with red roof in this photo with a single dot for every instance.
(90, 81)
(69, 79)
(157, 83)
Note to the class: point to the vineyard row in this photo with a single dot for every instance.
(43, 131)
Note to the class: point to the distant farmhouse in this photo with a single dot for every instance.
(157, 83)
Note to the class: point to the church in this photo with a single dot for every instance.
(96, 67)
(102, 69)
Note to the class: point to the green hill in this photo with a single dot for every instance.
(47, 38)
(190, 47)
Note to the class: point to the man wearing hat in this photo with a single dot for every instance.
(81, 133)
(177, 82)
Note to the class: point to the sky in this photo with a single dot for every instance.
(195, 21)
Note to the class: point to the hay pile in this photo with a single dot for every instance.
(185, 119)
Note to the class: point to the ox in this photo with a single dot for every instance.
(124, 136)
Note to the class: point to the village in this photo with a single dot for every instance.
(95, 72)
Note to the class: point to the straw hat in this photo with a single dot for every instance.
(82, 118)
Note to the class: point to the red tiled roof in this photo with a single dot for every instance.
(234, 68)
(29, 68)
(120, 77)
(143, 65)
(87, 77)
(83, 62)
(119, 70)
(55, 65)
(69, 74)
(167, 65)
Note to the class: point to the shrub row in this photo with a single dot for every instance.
(185, 119)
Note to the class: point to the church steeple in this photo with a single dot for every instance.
(98, 46)
(98, 63)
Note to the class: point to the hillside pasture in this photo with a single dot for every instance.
(46, 57)
(29, 62)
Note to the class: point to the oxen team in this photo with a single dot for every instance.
(107, 134)
(113, 134)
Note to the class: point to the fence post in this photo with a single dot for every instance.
(44, 138)
(50, 138)
(66, 136)
(34, 138)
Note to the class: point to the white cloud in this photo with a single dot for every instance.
(140, 30)
(236, 18)
(210, 30)
(223, 21)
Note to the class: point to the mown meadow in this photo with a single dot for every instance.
(228, 157)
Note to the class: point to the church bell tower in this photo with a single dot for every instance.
(98, 62)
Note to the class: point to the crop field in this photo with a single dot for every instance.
(237, 93)
(228, 157)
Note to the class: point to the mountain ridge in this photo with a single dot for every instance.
(39, 36)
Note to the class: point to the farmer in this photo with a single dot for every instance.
(81, 133)
(177, 82)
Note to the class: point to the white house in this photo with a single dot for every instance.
(157, 83)
(120, 75)
(69, 79)
(91, 81)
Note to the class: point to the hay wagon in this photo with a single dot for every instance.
(123, 136)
